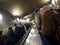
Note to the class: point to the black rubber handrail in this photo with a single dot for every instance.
(23, 39)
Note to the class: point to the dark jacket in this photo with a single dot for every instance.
(20, 31)
(51, 25)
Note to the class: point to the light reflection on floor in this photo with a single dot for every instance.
(33, 38)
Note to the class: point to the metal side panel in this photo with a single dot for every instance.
(33, 38)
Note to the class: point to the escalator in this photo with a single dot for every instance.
(32, 37)
(23, 39)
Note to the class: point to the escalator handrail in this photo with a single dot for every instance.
(24, 37)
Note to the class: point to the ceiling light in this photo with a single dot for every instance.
(53, 2)
(16, 11)
(0, 17)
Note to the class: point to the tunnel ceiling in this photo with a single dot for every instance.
(26, 6)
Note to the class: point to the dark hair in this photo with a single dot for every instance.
(15, 24)
(1, 32)
(10, 28)
(58, 10)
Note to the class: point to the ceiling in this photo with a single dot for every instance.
(25, 6)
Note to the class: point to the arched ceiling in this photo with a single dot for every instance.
(25, 6)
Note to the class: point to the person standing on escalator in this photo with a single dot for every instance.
(51, 24)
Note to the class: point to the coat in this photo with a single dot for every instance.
(51, 25)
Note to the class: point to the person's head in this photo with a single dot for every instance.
(1, 32)
(15, 24)
(10, 28)
(45, 8)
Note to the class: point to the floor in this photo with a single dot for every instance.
(33, 38)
